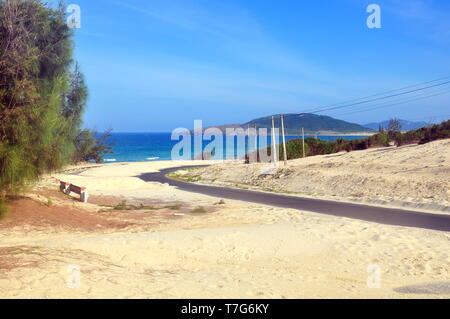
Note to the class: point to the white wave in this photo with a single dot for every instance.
(110, 160)
(152, 158)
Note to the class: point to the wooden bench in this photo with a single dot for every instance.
(67, 189)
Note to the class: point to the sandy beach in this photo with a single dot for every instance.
(166, 243)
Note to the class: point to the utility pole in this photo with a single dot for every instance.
(274, 143)
(304, 149)
(256, 144)
(284, 140)
(247, 146)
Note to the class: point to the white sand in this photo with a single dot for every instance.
(241, 251)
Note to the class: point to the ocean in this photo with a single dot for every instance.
(142, 147)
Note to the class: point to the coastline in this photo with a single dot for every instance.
(148, 147)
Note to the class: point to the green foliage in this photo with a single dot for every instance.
(294, 149)
(173, 207)
(379, 140)
(37, 88)
(84, 144)
(3, 208)
(309, 122)
(125, 206)
(433, 133)
(199, 210)
(394, 130)
(42, 96)
(318, 147)
(90, 148)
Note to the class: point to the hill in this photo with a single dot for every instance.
(310, 122)
(406, 125)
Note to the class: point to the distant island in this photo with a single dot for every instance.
(406, 125)
(311, 123)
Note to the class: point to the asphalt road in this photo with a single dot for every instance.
(381, 215)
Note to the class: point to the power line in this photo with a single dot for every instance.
(378, 94)
(394, 104)
(379, 99)
(409, 99)
(398, 103)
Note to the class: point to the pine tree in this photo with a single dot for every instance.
(41, 100)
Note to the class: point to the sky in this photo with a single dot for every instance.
(153, 66)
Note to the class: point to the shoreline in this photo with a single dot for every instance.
(289, 137)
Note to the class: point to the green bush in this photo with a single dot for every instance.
(42, 93)
(3, 208)
(90, 148)
(294, 149)
(379, 140)
(199, 210)
(382, 139)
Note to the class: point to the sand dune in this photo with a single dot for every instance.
(235, 250)
(411, 176)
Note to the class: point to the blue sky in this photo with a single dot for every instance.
(158, 65)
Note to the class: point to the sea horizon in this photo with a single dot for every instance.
(157, 146)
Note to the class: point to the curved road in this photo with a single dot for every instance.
(381, 215)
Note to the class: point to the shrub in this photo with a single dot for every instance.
(394, 128)
(379, 140)
(88, 148)
(199, 210)
(318, 147)
(294, 149)
(3, 208)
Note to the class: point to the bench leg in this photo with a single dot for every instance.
(84, 196)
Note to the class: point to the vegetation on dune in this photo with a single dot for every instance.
(3, 208)
(173, 207)
(42, 94)
(88, 148)
(426, 134)
(199, 210)
(125, 206)
(294, 149)
(383, 138)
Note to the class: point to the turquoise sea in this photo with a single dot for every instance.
(141, 147)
